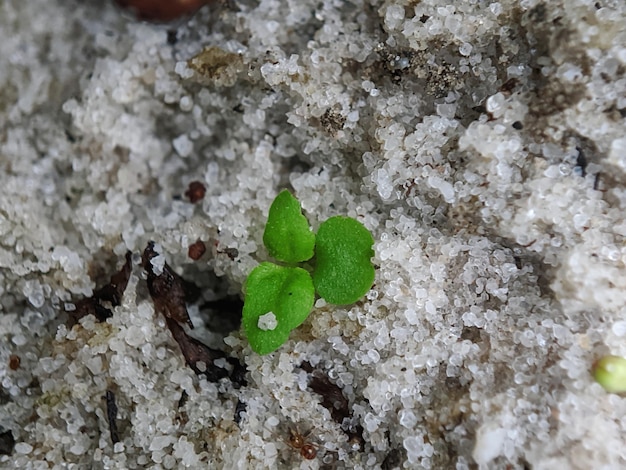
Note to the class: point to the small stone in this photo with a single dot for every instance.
(267, 322)
(489, 443)
(23, 448)
(183, 145)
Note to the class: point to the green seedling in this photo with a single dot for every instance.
(279, 298)
(343, 270)
(610, 372)
(287, 235)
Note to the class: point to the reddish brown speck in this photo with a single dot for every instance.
(195, 192)
(196, 250)
(14, 362)
(162, 10)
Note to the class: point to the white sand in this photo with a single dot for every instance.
(484, 146)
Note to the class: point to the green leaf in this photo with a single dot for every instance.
(287, 235)
(343, 270)
(285, 292)
(610, 372)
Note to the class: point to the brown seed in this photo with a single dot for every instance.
(14, 362)
(195, 192)
(162, 10)
(196, 250)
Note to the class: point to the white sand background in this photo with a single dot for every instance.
(483, 144)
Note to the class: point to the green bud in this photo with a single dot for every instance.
(610, 372)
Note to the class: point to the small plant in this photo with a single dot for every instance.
(278, 298)
(610, 372)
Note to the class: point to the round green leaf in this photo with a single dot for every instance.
(343, 268)
(285, 292)
(287, 235)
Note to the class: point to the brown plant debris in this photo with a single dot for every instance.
(166, 289)
(183, 399)
(112, 416)
(169, 291)
(104, 299)
(334, 401)
(195, 352)
(332, 396)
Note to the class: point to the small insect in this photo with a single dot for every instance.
(300, 443)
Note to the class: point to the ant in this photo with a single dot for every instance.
(299, 442)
